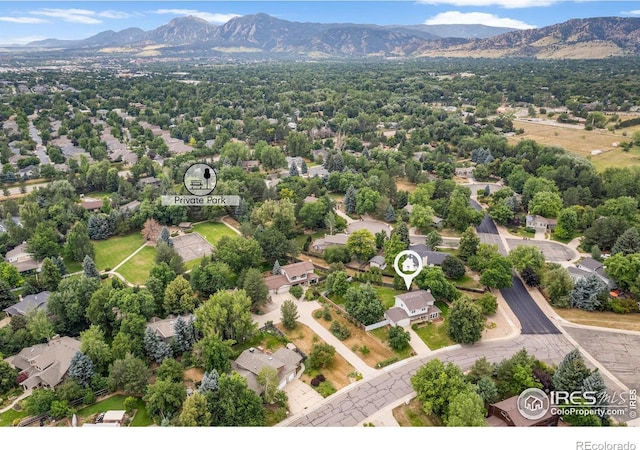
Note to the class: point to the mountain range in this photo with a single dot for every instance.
(268, 36)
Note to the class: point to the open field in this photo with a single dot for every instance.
(377, 350)
(303, 338)
(111, 252)
(606, 319)
(581, 142)
(137, 269)
(213, 231)
(412, 415)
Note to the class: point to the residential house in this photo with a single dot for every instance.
(310, 199)
(131, 206)
(185, 226)
(149, 181)
(464, 172)
(252, 164)
(27, 172)
(286, 361)
(297, 160)
(21, 259)
(541, 223)
(29, 303)
(317, 171)
(437, 222)
(329, 240)
(165, 328)
(378, 261)
(429, 257)
(505, 413)
(291, 275)
(414, 306)
(47, 364)
(591, 265)
(91, 204)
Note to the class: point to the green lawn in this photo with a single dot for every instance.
(142, 418)
(213, 231)
(137, 269)
(190, 265)
(382, 333)
(521, 231)
(111, 252)
(467, 282)
(564, 241)
(7, 418)
(435, 334)
(116, 402)
(387, 295)
(73, 266)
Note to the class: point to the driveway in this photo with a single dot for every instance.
(301, 396)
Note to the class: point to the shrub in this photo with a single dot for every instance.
(296, 291)
(326, 389)
(488, 303)
(387, 362)
(315, 382)
(317, 314)
(326, 313)
(623, 306)
(89, 397)
(340, 331)
(365, 350)
(320, 377)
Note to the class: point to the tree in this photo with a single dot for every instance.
(453, 268)
(392, 247)
(546, 204)
(255, 288)
(488, 303)
(421, 217)
(274, 244)
(165, 237)
(367, 200)
(78, 243)
(94, 345)
(390, 214)
(567, 223)
(239, 252)
(293, 170)
(398, 338)
(466, 321)
(336, 253)
(168, 255)
(39, 402)
(530, 277)
(501, 213)
(130, 375)
(50, 275)
(628, 242)
(7, 298)
(604, 232)
(69, 304)
(151, 230)
(587, 293)
(184, 336)
(481, 367)
(44, 242)
(363, 304)
(276, 268)
(279, 214)
(337, 283)
(209, 382)
(486, 389)
(624, 270)
(497, 273)
(571, 372)
(154, 347)
(303, 167)
(164, 398)
(362, 244)
(526, 256)
(89, 268)
(211, 278)
(81, 368)
(436, 384)
(557, 283)
(39, 325)
(10, 275)
(466, 409)
(434, 240)
(289, 314)
(215, 353)
(433, 278)
(170, 370)
(469, 243)
(179, 297)
(195, 412)
(296, 291)
(350, 200)
(321, 356)
(234, 404)
(227, 315)
(460, 214)
(268, 380)
(8, 376)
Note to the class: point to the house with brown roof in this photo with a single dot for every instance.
(414, 306)
(506, 414)
(165, 328)
(329, 240)
(22, 259)
(46, 364)
(286, 361)
(91, 204)
(291, 275)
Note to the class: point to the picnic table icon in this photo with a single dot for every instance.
(195, 184)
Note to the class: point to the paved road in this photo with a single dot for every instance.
(361, 400)
(532, 319)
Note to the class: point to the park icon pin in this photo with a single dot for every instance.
(410, 267)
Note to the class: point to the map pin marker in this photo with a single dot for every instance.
(411, 266)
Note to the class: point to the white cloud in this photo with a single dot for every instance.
(635, 12)
(501, 3)
(209, 17)
(476, 18)
(73, 15)
(110, 14)
(21, 40)
(22, 20)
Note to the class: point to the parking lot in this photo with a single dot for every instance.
(552, 251)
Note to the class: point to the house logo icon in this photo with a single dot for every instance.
(533, 403)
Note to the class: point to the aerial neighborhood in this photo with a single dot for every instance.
(427, 214)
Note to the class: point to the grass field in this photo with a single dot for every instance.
(582, 142)
(383, 335)
(387, 295)
(111, 252)
(412, 415)
(137, 269)
(116, 402)
(7, 417)
(435, 334)
(213, 231)
(605, 319)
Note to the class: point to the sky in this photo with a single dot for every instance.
(26, 21)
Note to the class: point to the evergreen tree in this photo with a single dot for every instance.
(209, 381)
(78, 243)
(98, 227)
(81, 368)
(289, 312)
(293, 170)
(165, 236)
(390, 214)
(595, 383)
(304, 167)
(627, 243)
(487, 191)
(151, 342)
(587, 293)
(469, 243)
(184, 337)
(571, 372)
(255, 287)
(59, 260)
(276, 268)
(402, 230)
(50, 274)
(350, 200)
(242, 212)
(89, 268)
(486, 389)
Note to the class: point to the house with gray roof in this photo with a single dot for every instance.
(22, 259)
(46, 364)
(429, 257)
(591, 265)
(378, 261)
(414, 306)
(165, 328)
(29, 303)
(286, 362)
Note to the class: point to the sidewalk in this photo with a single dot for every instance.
(418, 344)
(25, 394)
